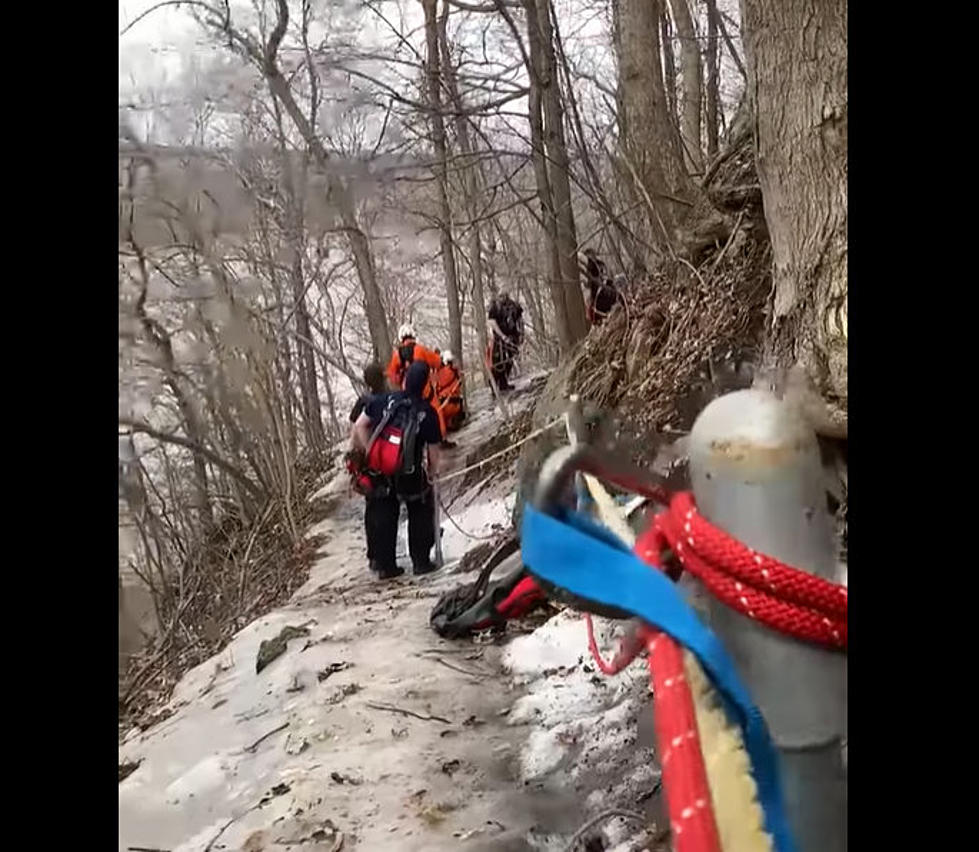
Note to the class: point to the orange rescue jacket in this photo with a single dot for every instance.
(403, 355)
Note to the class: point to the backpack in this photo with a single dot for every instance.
(485, 603)
(391, 449)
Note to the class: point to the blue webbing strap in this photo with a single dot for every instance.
(585, 559)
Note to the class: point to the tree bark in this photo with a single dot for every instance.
(473, 183)
(437, 126)
(669, 64)
(559, 170)
(796, 55)
(649, 140)
(692, 86)
(544, 192)
(712, 113)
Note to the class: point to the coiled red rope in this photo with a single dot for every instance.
(777, 595)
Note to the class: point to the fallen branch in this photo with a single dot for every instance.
(460, 669)
(214, 458)
(264, 737)
(390, 708)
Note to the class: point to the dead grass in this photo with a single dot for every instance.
(648, 356)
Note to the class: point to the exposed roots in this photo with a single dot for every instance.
(662, 346)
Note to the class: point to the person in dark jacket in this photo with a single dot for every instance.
(374, 379)
(413, 488)
(505, 321)
(603, 292)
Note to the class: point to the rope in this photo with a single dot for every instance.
(536, 433)
(453, 522)
(684, 770)
(779, 596)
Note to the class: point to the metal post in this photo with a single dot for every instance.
(756, 473)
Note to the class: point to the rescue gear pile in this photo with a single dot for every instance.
(484, 604)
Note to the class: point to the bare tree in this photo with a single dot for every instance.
(437, 124)
(801, 142)
(712, 100)
(265, 56)
(692, 86)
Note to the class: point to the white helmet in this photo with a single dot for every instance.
(405, 331)
(448, 357)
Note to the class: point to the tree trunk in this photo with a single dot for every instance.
(550, 159)
(473, 183)
(539, 158)
(669, 64)
(649, 141)
(712, 116)
(796, 54)
(437, 126)
(339, 195)
(559, 169)
(692, 85)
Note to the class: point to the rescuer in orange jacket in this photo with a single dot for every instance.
(448, 392)
(405, 352)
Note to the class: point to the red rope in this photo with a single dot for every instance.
(779, 596)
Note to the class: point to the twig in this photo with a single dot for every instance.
(460, 669)
(730, 239)
(264, 737)
(145, 849)
(390, 708)
(604, 815)
(213, 840)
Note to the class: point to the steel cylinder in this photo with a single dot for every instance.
(756, 473)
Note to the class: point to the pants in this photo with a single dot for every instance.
(503, 353)
(370, 522)
(383, 531)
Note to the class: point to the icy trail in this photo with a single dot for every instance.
(522, 744)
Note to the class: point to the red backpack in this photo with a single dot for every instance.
(391, 449)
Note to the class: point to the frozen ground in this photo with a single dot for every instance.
(518, 744)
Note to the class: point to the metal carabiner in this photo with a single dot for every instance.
(560, 467)
(556, 477)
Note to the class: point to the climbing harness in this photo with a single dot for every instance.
(562, 549)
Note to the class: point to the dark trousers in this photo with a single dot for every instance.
(383, 528)
(370, 522)
(504, 351)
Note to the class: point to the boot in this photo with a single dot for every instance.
(420, 568)
(390, 572)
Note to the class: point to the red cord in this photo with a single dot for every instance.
(781, 597)
(778, 595)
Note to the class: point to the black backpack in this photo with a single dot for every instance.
(472, 607)
(393, 446)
